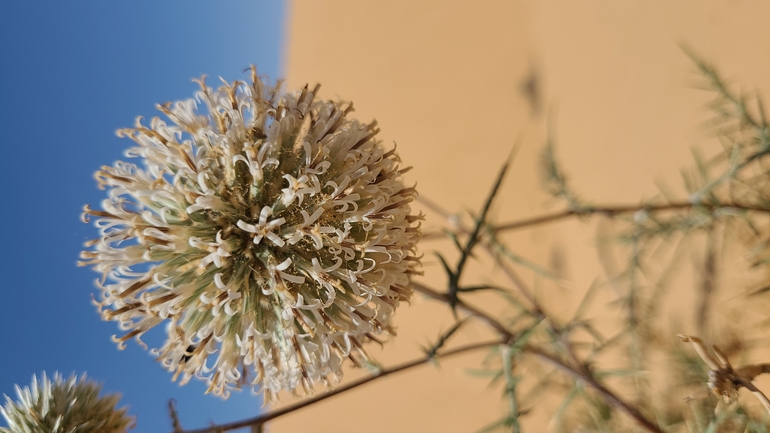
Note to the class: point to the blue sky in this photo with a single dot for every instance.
(71, 73)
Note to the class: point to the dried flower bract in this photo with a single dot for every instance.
(724, 380)
(271, 233)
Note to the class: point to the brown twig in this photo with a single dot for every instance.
(609, 396)
(577, 372)
(262, 419)
(609, 211)
(174, 415)
(494, 324)
(515, 279)
(540, 311)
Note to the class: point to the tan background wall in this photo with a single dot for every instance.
(444, 80)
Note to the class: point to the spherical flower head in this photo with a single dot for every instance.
(270, 233)
(64, 406)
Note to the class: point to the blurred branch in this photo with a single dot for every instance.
(609, 211)
(466, 251)
(174, 415)
(262, 419)
(510, 389)
(580, 373)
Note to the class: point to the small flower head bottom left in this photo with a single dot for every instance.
(63, 406)
(271, 233)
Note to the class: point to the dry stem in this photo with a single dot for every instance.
(263, 418)
(609, 211)
(577, 372)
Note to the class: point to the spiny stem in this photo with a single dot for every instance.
(578, 373)
(518, 282)
(262, 419)
(539, 310)
(513, 406)
(497, 326)
(609, 211)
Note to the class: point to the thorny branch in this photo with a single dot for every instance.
(264, 418)
(577, 372)
(539, 311)
(609, 211)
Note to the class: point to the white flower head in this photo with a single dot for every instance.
(64, 406)
(270, 233)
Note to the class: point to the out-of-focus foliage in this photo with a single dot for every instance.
(629, 344)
